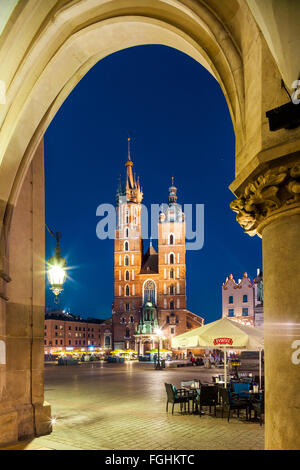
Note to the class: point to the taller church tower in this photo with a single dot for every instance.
(127, 258)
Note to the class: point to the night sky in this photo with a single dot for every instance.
(178, 119)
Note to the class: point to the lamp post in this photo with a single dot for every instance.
(158, 332)
(56, 268)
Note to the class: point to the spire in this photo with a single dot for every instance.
(172, 193)
(129, 165)
(133, 190)
(129, 156)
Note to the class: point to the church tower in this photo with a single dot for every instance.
(127, 258)
(150, 287)
(171, 249)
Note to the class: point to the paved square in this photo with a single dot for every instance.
(122, 406)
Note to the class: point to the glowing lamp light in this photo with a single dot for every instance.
(158, 331)
(56, 271)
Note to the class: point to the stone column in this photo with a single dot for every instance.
(270, 207)
(23, 411)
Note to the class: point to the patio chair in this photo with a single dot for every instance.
(259, 408)
(176, 395)
(207, 396)
(240, 389)
(230, 403)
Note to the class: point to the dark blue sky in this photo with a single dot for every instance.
(180, 125)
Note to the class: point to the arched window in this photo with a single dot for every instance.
(127, 290)
(171, 289)
(171, 258)
(127, 215)
(126, 260)
(131, 319)
(171, 239)
(172, 274)
(127, 275)
(126, 232)
(172, 305)
(149, 292)
(126, 246)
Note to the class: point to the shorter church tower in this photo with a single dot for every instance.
(171, 249)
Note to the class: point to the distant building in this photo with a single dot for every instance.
(63, 330)
(243, 300)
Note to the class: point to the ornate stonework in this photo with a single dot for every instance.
(277, 189)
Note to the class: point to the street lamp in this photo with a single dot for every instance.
(159, 333)
(56, 268)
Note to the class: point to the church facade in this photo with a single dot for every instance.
(149, 288)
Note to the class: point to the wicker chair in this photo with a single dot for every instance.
(233, 403)
(178, 395)
(259, 409)
(207, 396)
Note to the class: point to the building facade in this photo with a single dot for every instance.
(149, 288)
(242, 301)
(63, 330)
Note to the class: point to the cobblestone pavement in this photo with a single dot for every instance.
(112, 406)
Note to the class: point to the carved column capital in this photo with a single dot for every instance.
(272, 194)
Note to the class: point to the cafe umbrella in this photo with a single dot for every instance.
(222, 334)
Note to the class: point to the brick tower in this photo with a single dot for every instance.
(150, 288)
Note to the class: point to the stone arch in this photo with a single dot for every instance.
(47, 47)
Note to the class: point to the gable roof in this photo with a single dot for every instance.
(150, 261)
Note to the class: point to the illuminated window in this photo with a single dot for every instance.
(245, 312)
(149, 292)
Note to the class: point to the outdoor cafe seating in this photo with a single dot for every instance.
(240, 395)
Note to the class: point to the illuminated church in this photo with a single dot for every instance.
(149, 288)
